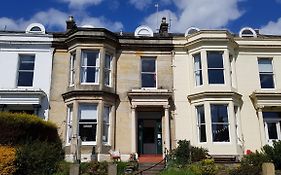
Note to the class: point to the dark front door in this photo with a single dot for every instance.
(149, 136)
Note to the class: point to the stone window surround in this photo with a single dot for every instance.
(103, 50)
(100, 108)
(229, 67)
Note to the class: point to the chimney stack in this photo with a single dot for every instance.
(163, 31)
(70, 23)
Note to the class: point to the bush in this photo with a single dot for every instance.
(198, 153)
(274, 153)
(177, 171)
(20, 128)
(7, 160)
(185, 154)
(63, 168)
(38, 158)
(121, 167)
(251, 164)
(93, 168)
(204, 167)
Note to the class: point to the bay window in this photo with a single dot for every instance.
(198, 69)
(90, 66)
(106, 124)
(272, 121)
(108, 70)
(220, 125)
(69, 124)
(88, 116)
(215, 67)
(72, 70)
(201, 123)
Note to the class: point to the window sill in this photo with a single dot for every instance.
(88, 143)
(89, 83)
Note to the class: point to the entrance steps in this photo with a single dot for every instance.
(151, 164)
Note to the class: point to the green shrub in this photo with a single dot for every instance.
(7, 160)
(198, 153)
(38, 158)
(177, 171)
(251, 164)
(274, 153)
(185, 154)
(20, 128)
(63, 168)
(204, 167)
(93, 168)
(121, 167)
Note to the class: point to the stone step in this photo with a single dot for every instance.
(152, 171)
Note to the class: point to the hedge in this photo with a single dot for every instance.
(20, 128)
(7, 160)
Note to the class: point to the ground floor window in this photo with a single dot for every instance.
(219, 116)
(272, 124)
(88, 123)
(106, 124)
(201, 123)
(69, 124)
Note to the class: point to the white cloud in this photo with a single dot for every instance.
(201, 14)
(278, 1)
(101, 22)
(81, 3)
(55, 20)
(273, 28)
(140, 4)
(51, 19)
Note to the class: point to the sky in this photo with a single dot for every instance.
(127, 15)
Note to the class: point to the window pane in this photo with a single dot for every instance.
(197, 69)
(26, 65)
(272, 115)
(219, 113)
(216, 76)
(272, 131)
(148, 65)
(87, 132)
(220, 132)
(90, 58)
(202, 133)
(265, 65)
(88, 112)
(25, 79)
(108, 59)
(214, 59)
(148, 80)
(107, 77)
(200, 114)
(105, 133)
(266, 80)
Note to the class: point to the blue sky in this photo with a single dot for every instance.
(126, 15)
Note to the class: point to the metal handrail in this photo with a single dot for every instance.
(140, 172)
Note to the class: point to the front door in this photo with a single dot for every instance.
(149, 136)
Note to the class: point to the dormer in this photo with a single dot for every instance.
(247, 32)
(191, 30)
(144, 31)
(35, 28)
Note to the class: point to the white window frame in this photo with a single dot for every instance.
(108, 124)
(267, 73)
(72, 68)
(69, 125)
(96, 123)
(222, 68)
(155, 73)
(108, 69)
(97, 67)
(199, 124)
(199, 70)
(20, 56)
(278, 128)
(228, 123)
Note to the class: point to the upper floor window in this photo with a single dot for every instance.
(201, 123)
(88, 123)
(90, 66)
(148, 72)
(220, 125)
(108, 70)
(106, 124)
(266, 73)
(215, 67)
(72, 69)
(26, 70)
(198, 69)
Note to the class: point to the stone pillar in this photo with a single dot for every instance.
(99, 127)
(167, 128)
(268, 169)
(134, 130)
(261, 125)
